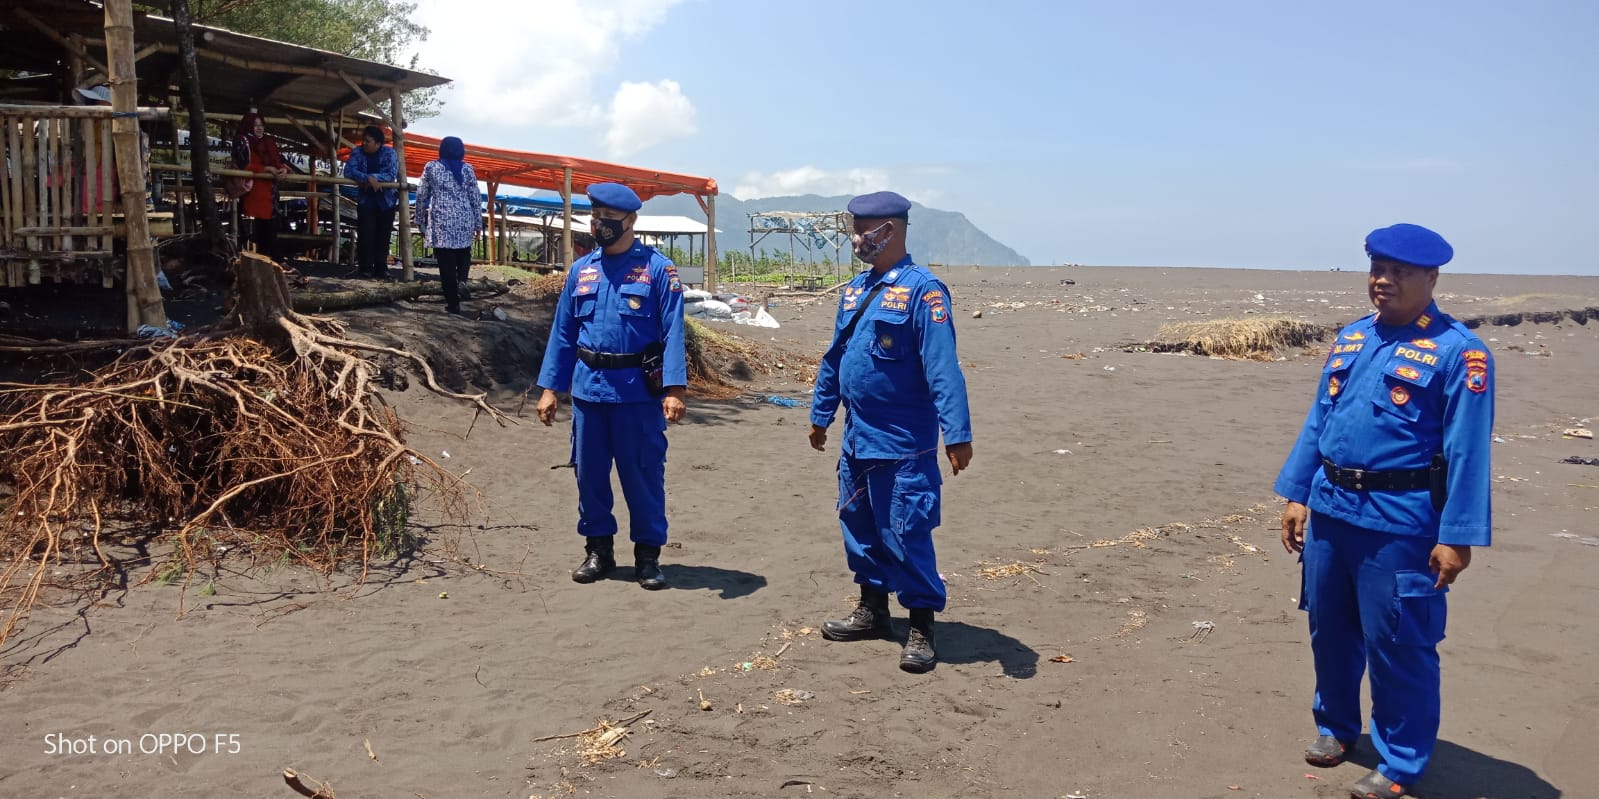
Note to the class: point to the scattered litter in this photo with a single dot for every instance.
(978, 314)
(1009, 570)
(1063, 452)
(1061, 659)
(1578, 432)
(446, 453)
(666, 773)
(415, 461)
(1202, 630)
(1312, 777)
(500, 314)
(444, 595)
(1498, 440)
(705, 704)
(1110, 368)
(1581, 461)
(791, 696)
(786, 402)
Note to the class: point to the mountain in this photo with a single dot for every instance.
(936, 237)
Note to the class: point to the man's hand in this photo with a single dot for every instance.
(818, 437)
(1448, 561)
(546, 407)
(672, 404)
(1295, 516)
(372, 180)
(960, 456)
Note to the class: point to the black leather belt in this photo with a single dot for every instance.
(610, 360)
(1362, 480)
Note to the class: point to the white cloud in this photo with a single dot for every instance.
(645, 114)
(811, 180)
(530, 64)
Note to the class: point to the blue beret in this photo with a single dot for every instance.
(614, 195)
(1409, 244)
(880, 205)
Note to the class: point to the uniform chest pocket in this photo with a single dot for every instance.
(634, 299)
(1336, 377)
(891, 336)
(1404, 387)
(583, 305)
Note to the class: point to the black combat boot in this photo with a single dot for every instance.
(918, 656)
(647, 567)
(601, 559)
(869, 619)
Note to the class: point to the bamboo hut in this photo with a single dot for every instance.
(73, 197)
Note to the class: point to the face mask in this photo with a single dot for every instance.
(865, 248)
(607, 231)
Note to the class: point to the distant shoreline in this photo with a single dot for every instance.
(1288, 269)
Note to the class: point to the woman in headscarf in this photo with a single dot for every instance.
(254, 150)
(450, 212)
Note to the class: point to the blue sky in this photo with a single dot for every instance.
(1253, 134)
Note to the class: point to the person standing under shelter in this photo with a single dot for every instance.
(372, 164)
(893, 366)
(255, 151)
(617, 346)
(451, 213)
(1388, 491)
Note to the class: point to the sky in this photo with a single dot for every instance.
(1241, 133)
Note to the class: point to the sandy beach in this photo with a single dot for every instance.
(1121, 623)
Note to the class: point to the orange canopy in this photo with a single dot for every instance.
(541, 171)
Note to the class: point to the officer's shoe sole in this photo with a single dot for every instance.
(833, 632)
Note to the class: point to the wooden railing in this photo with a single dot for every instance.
(58, 193)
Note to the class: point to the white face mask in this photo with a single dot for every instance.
(866, 248)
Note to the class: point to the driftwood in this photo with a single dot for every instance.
(292, 779)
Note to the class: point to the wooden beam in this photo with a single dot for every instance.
(566, 219)
(144, 297)
(79, 50)
(369, 101)
(407, 272)
(292, 177)
(81, 111)
(710, 241)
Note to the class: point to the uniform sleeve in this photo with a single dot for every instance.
(472, 197)
(1466, 519)
(354, 169)
(941, 364)
(674, 372)
(825, 397)
(1299, 471)
(560, 353)
(424, 190)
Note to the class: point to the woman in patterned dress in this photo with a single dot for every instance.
(449, 209)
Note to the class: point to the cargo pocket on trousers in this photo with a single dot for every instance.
(915, 504)
(1422, 609)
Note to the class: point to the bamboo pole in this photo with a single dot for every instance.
(145, 114)
(363, 95)
(406, 268)
(261, 65)
(103, 172)
(182, 216)
(710, 243)
(338, 196)
(566, 217)
(30, 190)
(144, 298)
(490, 242)
(72, 46)
(6, 202)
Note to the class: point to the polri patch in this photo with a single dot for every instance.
(1332, 387)
(939, 314)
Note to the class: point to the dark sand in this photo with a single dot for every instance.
(451, 692)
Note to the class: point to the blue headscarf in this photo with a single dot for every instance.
(452, 154)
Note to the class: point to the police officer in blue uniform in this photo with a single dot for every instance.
(1388, 491)
(617, 347)
(893, 366)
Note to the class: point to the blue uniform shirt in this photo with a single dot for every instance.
(616, 303)
(1390, 398)
(898, 376)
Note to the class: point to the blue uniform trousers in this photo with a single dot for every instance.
(888, 509)
(634, 435)
(1372, 606)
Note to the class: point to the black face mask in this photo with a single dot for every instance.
(607, 231)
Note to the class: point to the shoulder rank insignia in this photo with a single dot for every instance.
(1424, 321)
(1424, 343)
(1408, 372)
(1355, 336)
